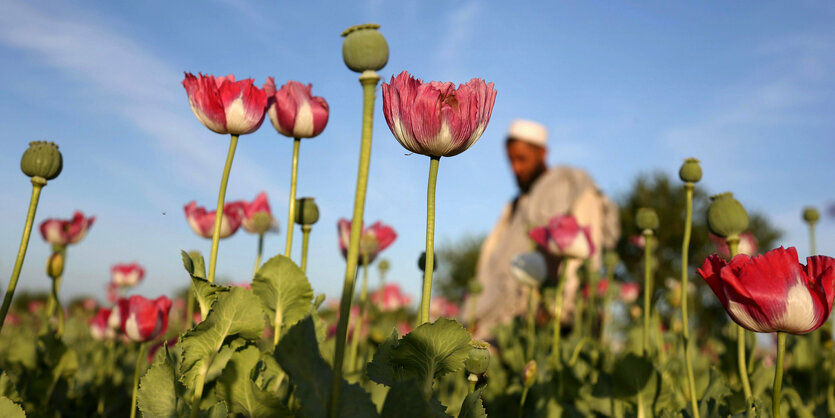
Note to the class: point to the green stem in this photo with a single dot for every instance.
(57, 307)
(778, 375)
(555, 344)
(812, 247)
(294, 176)
(426, 296)
(591, 308)
(305, 242)
(472, 379)
(531, 324)
(260, 252)
(577, 350)
(190, 305)
(37, 185)
(522, 402)
(355, 337)
(198, 390)
(369, 80)
(136, 371)
(647, 289)
(221, 197)
(733, 247)
(685, 250)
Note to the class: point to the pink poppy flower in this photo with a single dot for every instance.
(294, 111)
(258, 218)
(773, 292)
(99, 328)
(66, 231)
(373, 240)
(442, 308)
(435, 118)
(203, 222)
(564, 237)
(224, 105)
(143, 319)
(127, 275)
(390, 298)
(629, 292)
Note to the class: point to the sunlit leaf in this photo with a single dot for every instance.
(241, 394)
(283, 290)
(9, 409)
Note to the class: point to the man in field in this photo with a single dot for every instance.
(543, 194)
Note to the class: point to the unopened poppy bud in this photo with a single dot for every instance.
(529, 374)
(55, 265)
(422, 262)
(42, 159)
(646, 218)
(364, 48)
(307, 212)
(725, 216)
(383, 265)
(811, 215)
(690, 171)
(479, 357)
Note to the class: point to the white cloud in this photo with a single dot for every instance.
(133, 82)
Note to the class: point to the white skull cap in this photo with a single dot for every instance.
(528, 131)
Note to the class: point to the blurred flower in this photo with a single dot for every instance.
(12, 319)
(602, 288)
(373, 240)
(89, 303)
(34, 306)
(66, 231)
(196, 318)
(143, 319)
(403, 328)
(294, 111)
(564, 237)
(629, 292)
(773, 292)
(203, 222)
(638, 241)
(390, 298)
(258, 218)
(127, 275)
(435, 118)
(747, 244)
(112, 292)
(224, 105)
(442, 308)
(98, 325)
(529, 269)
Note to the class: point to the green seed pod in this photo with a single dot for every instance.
(42, 159)
(364, 48)
(475, 287)
(691, 171)
(307, 212)
(383, 266)
(369, 244)
(422, 262)
(811, 215)
(726, 216)
(646, 218)
(479, 357)
(55, 265)
(261, 222)
(529, 375)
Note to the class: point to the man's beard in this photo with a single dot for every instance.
(525, 186)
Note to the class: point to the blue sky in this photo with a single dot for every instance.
(624, 88)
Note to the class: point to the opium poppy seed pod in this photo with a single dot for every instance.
(42, 159)
(773, 292)
(364, 48)
(646, 218)
(726, 216)
(478, 358)
(690, 171)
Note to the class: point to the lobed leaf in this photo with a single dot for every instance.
(236, 387)
(9, 409)
(298, 354)
(283, 290)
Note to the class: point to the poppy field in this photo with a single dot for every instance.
(270, 345)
